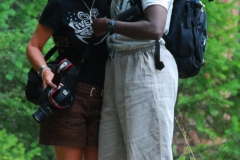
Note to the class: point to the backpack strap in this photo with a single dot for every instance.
(158, 63)
(189, 14)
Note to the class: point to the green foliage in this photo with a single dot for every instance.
(212, 97)
(229, 149)
(18, 20)
(11, 148)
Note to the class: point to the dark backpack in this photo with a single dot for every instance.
(187, 36)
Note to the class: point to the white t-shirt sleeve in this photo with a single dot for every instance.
(167, 4)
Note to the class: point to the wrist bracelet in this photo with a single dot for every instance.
(39, 72)
(44, 69)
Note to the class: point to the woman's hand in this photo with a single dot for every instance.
(99, 26)
(47, 77)
(34, 53)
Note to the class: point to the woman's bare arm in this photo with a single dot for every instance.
(34, 52)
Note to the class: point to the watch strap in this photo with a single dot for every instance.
(111, 26)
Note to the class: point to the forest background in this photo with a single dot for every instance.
(208, 106)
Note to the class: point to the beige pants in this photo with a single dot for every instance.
(138, 107)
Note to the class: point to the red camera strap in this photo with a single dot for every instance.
(61, 92)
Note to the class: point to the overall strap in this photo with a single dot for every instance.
(158, 63)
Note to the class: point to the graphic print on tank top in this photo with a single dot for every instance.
(80, 22)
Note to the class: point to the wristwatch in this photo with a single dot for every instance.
(110, 26)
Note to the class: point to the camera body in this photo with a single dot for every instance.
(59, 98)
(131, 15)
(55, 98)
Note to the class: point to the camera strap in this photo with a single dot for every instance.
(86, 53)
(61, 97)
(61, 70)
(83, 58)
(50, 52)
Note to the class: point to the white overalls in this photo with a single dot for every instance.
(138, 106)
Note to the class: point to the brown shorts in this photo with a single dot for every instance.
(78, 125)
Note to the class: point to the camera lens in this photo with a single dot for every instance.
(42, 113)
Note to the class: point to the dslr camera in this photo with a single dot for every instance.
(55, 98)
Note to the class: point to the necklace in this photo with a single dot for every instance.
(90, 10)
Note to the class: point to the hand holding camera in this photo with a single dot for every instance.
(53, 98)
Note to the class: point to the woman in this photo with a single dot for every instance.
(73, 131)
(137, 114)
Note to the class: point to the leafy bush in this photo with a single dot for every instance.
(11, 148)
(209, 102)
(18, 20)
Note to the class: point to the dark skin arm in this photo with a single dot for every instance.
(151, 28)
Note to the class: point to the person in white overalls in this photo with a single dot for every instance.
(137, 116)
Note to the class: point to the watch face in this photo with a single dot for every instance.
(110, 26)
